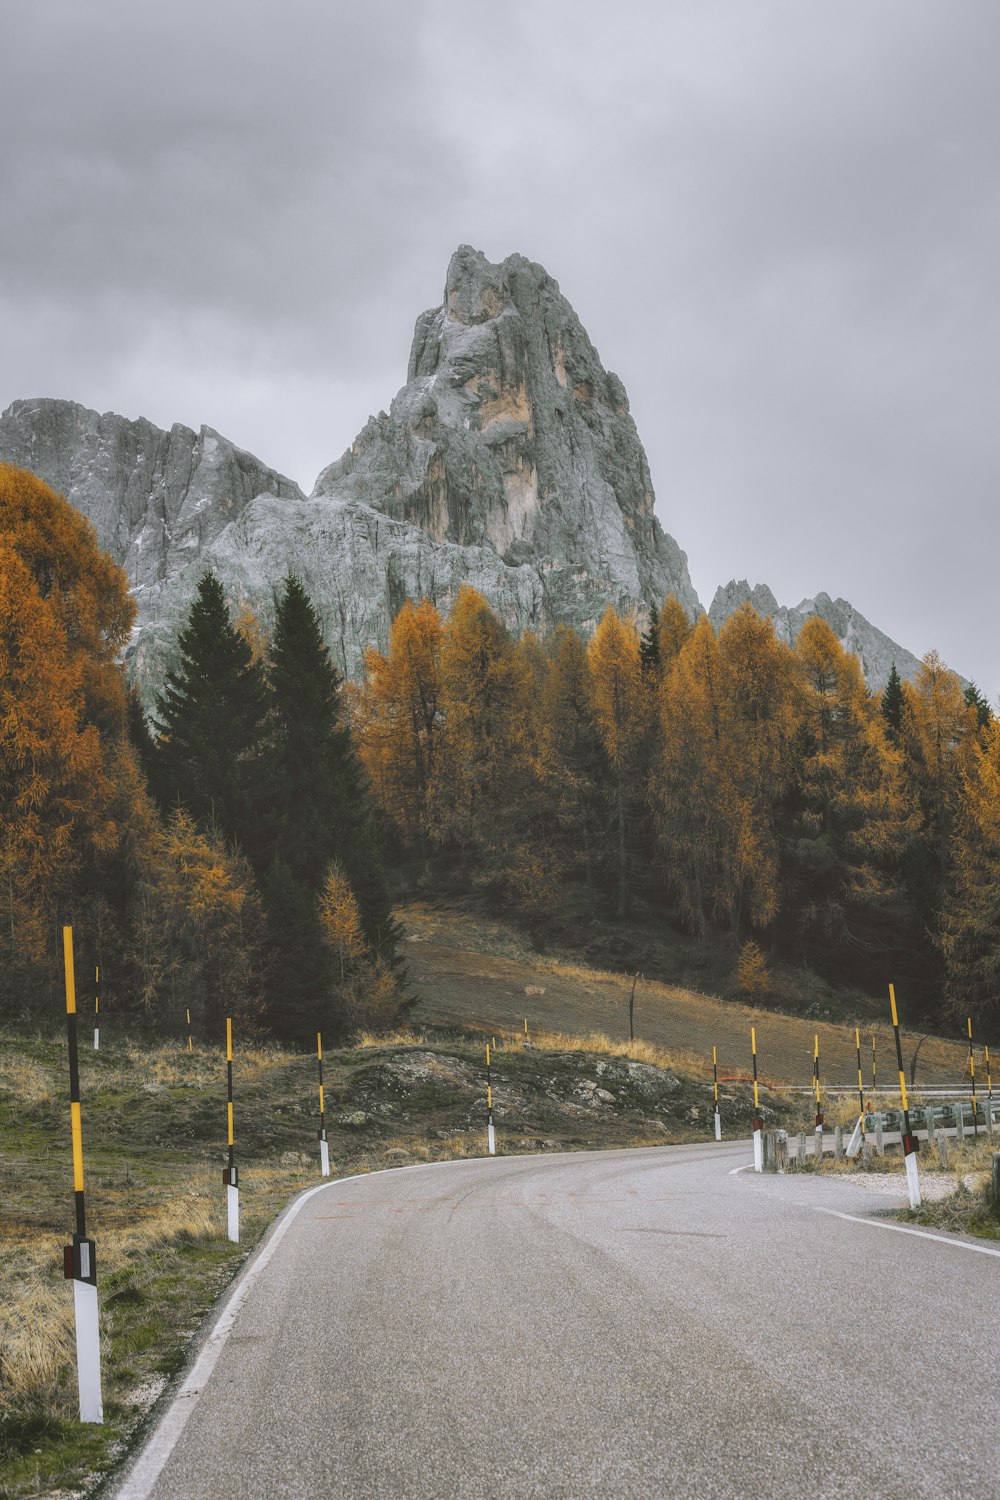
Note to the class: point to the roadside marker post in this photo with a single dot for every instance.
(324, 1145)
(491, 1139)
(187, 1013)
(80, 1258)
(758, 1124)
(525, 1028)
(909, 1144)
(715, 1090)
(230, 1174)
(989, 1094)
(972, 1074)
(819, 1107)
(857, 1142)
(97, 1008)
(874, 1085)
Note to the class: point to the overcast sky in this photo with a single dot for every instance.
(779, 221)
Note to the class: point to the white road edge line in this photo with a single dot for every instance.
(150, 1463)
(922, 1234)
(747, 1168)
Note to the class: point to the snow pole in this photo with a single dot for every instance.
(324, 1148)
(187, 1013)
(819, 1106)
(758, 1124)
(972, 1074)
(491, 1139)
(989, 1093)
(909, 1144)
(79, 1258)
(97, 1008)
(874, 1086)
(715, 1092)
(230, 1174)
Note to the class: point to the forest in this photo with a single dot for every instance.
(237, 849)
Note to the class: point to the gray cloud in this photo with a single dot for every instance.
(777, 222)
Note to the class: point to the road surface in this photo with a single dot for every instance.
(628, 1324)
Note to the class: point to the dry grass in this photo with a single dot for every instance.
(402, 1037)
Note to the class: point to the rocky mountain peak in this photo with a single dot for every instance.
(510, 434)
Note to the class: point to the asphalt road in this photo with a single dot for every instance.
(617, 1324)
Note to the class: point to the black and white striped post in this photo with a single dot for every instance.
(819, 1106)
(324, 1147)
(79, 1258)
(491, 1139)
(874, 1085)
(909, 1144)
(972, 1075)
(230, 1174)
(758, 1124)
(97, 1008)
(715, 1094)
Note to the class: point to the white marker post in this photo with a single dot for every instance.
(819, 1103)
(324, 1147)
(758, 1123)
(79, 1258)
(715, 1090)
(909, 1144)
(491, 1140)
(230, 1176)
(97, 1008)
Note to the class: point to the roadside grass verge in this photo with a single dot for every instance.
(154, 1144)
(956, 1183)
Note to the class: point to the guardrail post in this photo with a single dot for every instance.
(879, 1139)
(942, 1146)
(929, 1118)
(838, 1143)
(770, 1162)
(959, 1122)
(800, 1151)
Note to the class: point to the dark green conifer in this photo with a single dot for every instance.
(209, 719)
(892, 701)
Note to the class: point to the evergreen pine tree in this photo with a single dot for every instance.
(977, 700)
(649, 649)
(314, 809)
(892, 702)
(209, 719)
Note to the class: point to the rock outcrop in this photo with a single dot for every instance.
(508, 460)
(877, 652)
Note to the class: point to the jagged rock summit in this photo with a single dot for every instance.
(876, 651)
(510, 434)
(508, 460)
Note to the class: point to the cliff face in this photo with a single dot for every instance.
(509, 434)
(508, 460)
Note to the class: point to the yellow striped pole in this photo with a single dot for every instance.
(491, 1139)
(97, 1008)
(230, 1174)
(715, 1093)
(874, 1085)
(819, 1107)
(80, 1258)
(909, 1144)
(525, 1028)
(758, 1124)
(861, 1086)
(324, 1148)
(187, 1013)
(972, 1074)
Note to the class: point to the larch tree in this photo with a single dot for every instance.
(619, 705)
(67, 773)
(399, 715)
(968, 931)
